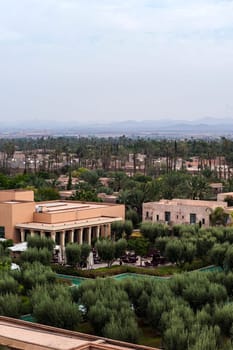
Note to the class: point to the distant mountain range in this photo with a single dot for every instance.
(205, 126)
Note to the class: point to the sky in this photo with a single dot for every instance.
(91, 61)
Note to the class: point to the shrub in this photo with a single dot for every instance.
(10, 305)
(40, 242)
(54, 307)
(73, 254)
(42, 255)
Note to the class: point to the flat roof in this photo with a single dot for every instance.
(192, 202)
(15, 190)
(43, 339)
(20, 334)
(66, 205)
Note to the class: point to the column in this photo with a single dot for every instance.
(72, 236)
(32, 233)
(80, 236)
(89, 235)
(53, 236)
(62, 238)
(22, 235)
(97, 232)
(42, 233)
(62, 246)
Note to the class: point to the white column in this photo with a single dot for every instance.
(98, 232)
(22, 235)
(32, 233)
(80, 236)
(42, 233)
(62, 238)
(72, 236)
(53, 236)
(89, 235)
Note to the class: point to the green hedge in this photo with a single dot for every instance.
(115, 270)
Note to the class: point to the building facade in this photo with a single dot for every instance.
(181, 211)
(63, 221)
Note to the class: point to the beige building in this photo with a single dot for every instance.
(21, 335)
(224, 195)
(181, 211)
(63, 221)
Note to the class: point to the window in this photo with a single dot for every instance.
(2, 232)
(167, 216)
(193, 218)
(203, 221)
(147, 214)
(157, 217)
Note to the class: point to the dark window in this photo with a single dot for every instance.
(147, 214)
(203, 221)
(2, 232)
(177, 216)
(182, 216)
(193, 218)
(157, 217)
(167, 216)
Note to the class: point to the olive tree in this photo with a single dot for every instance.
(73, 254)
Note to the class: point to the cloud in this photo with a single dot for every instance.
(65, 21)
(110, 57)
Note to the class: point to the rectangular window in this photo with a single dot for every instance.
(147, 214)
(157, 217)
(203, 221)
(167, 216)
(193, 218)
(2, 232)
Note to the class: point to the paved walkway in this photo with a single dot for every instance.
(117, 263)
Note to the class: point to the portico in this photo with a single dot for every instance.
(83, 231)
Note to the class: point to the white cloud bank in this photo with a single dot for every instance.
(108, 59)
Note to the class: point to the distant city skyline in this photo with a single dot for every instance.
(100, 61)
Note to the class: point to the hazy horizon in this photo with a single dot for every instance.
(100, 61)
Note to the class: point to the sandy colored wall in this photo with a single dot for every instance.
(114, 211)
(17, 195)
(222, 196)
(64, 216)
(6, 220)
(15, 213)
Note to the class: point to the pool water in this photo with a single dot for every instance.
(123, 276)
(211, 268)
(28, 318)
(75, 280)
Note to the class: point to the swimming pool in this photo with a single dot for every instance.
(123, 276)
(75, 280)
(211, 268)
(78, 280)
